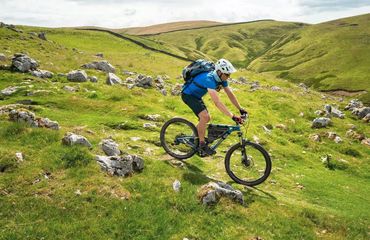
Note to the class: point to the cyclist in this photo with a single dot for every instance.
(211, 82)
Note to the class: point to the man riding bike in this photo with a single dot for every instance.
(210, 82)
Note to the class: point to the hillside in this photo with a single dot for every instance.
(240, 43)
(59, 191)
(329, 56)
(166, 27)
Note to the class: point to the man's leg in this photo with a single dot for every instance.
(204, 118)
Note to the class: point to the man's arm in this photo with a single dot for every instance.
(216, 99)
(232, 97)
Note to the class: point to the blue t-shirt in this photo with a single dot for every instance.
(206, 80)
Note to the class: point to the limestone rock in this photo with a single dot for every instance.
(23, 63)
(9, 91)
(176, 90)
(73, 139)
(77, 76)
(42, 73)
(211, 193)
(112, 79)
(2, 57)
(104, 66)
(120, 165)
(110, 147)
(321, 122)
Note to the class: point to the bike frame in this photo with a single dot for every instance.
(226, 134)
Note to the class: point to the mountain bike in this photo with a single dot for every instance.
(247, 163)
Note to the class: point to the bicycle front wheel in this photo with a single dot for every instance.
(249, 165)
(179, 138)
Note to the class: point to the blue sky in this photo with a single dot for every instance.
(125, 13)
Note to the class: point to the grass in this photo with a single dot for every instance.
(79, 201)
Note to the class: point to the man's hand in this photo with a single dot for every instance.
(243, 112)
(238, 119)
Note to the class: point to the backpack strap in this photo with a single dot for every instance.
(187, 84)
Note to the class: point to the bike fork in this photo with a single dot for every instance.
(245, 159)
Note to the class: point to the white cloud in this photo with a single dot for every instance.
(128, 13)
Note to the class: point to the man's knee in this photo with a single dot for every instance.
(204, 116)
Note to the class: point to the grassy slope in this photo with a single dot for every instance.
(332, 205)
(330, 55)
(240, 43)
(166, 27)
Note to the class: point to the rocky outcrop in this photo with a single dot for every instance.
(23, 63)
(211, 193)
(70, 139)
(77, 76)
(9, 91)
(121, 165)
(25, 116)
(110, 147)
(321, 122)
(42, 73)
(176, 90)
(113, 79)
(104, 66)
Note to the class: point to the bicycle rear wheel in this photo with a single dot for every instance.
(249, 165)
(179, 138)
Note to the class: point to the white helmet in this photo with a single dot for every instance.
(225, 66)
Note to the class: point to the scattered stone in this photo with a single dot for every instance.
(331, 135)
(268, 131)
(354, 135)
(243, 80)
(112, 79)
(256, 139)
(110, 147)
(333, 112)
(301, 114)
(176, 163)
(69, 89)
(135, 138)
(126, 72)
(366, 141)
(25, 116)
(211, 193)
(23, 63)
(315, 138)
(275, 88)
(77, 76)
(144, 81)
(366, 118)
(354, 103)
(19, 157)
(337, 139)
(164, 92)
(42, 73)
(149, 125)
(281, 126)
(73, 139)
(319, 113)
(93, 79)
(120, 165)
(361, 112)
(153, 117)
(42, 36)
(100, 55)
(176, 90)
(2, 57)
(255, 86)
(176, 185)
(104, 66)
(9, 91)
(321, 122)
(304, 86)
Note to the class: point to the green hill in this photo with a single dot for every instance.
(241, 42)
(61, 192)
(329, 56)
